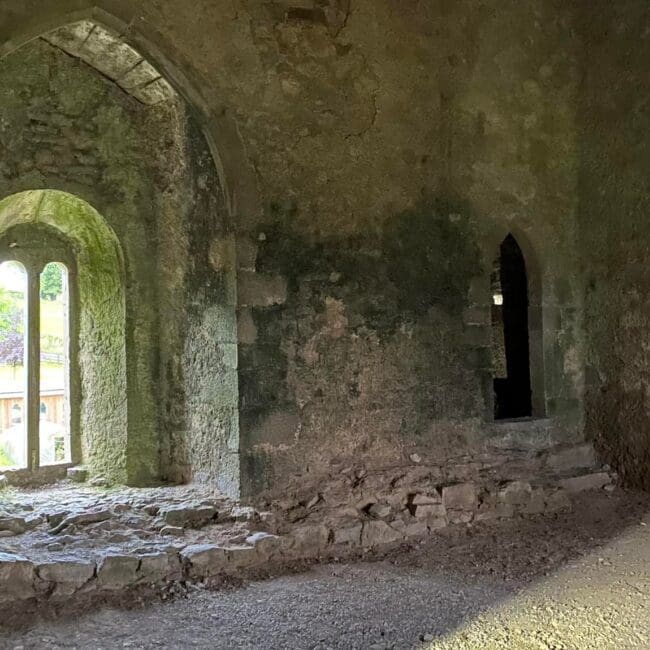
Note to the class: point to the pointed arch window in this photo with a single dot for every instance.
(510, 333)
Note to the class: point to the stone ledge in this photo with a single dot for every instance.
(322, 530)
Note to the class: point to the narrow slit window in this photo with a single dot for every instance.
(54, 397)
(13, 377)
(510, 335)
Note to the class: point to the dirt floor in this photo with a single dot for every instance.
(579, 580)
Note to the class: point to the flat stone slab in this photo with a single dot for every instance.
(586, 482)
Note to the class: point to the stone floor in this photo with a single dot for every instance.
(67, 519)
(563, 581)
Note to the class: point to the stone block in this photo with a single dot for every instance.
(537, 503)
(460, 497)
(16, 578)
(594, 481)
(577, 457)
(158, 566)
(202, 560)
(14, 525)
(117, 571)
(558, 501)
(429, 510)
(68, 575)
(416, 529)
(309, 541)
(379, 510)
(486, 512)
(242, 513)
(77, 474)
(516, 493)
(241, 557)
(348, 534)
(188, 516)
(172, 531)
(265, 544)
(459, 516)
(261, 290)
(246, 328)
(81, 519)
(378, 533)
(434, 523)
(425, 499)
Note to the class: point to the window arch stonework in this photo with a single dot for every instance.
(37, 227)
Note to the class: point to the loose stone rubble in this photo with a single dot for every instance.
(74, 539)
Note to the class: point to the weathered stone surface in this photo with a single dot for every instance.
(577, 457)
(537, 503)
(377, 533)
(172, 531)
(188, 516)
(4, 482)
(77, 474)
(379, 510)
(348, 534)
(117, 571)
(241, 557)
(462, 496)
(416, 529)
(558, 501)
(81, 519)
(309, 541)
(429, 510)
(14, 525)
(16, 578)
(425, 499)
(264, 544)
(257, 289)
(67, 575)
(242, 513)
(516, 493)
(459, 516)
(434, 523)
(202, 560)
(158, 566)
(587, 482)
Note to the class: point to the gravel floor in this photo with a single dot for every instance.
(573, 581)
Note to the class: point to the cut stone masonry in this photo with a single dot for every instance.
(75, 540)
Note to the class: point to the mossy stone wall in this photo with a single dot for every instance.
(149, 174)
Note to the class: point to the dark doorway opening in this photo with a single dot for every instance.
(510, 347)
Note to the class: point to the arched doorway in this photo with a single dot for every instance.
(510, 333)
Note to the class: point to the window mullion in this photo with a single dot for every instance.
(33, 367)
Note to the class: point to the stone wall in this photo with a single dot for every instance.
(372, 156)
(614, 194)
(427, 135)
(149, 173)
(71, 546)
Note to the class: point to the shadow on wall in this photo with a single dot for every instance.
(370, 340)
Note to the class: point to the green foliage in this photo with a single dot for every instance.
(5, 459)
(51, 282)
(6, 311)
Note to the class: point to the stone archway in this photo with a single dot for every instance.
(21, 22)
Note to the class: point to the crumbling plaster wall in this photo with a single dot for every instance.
(614, 230)
(391, 146)
(394, 146)
(149, 173)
